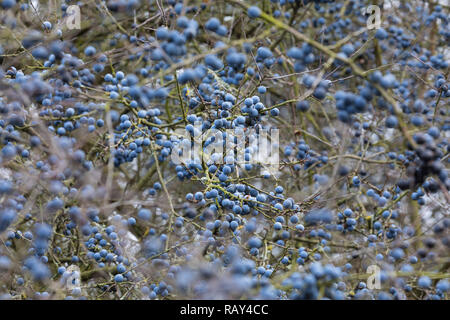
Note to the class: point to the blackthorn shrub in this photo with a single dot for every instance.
(130, 150)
